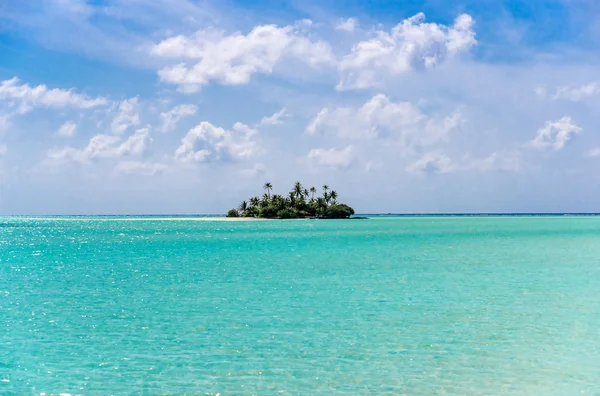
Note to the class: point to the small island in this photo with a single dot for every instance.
(300, 202)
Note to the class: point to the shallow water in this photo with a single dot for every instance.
(452, 305)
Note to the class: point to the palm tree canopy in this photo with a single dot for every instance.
(268, 186)
(321, 203)
(298, 189)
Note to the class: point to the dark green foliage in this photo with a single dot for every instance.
(268, 211)
(233, 213)
(286, 213)
(338, 211)
(300, 202)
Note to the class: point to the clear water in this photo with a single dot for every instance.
(453, 305)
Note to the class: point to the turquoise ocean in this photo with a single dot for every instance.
(398, 305)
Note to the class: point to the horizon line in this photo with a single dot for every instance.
(380, 214)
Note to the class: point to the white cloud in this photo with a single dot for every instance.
(369, 121)
(25, 97)
(306, 23)
(593, 153)
(139, 167)
(436, 131)
(212, 56)
(99, 146)
(275, 119)
(128, 116)
(332, 158)
(380, 117)
(207, 142)
(172, 117)
(67, 129)
(322, 120)
(576, 94)
(348, 25)
(556, 134)
(508, 161)
(411, 45)
(432, 163)
(136, 144)
(104, 146)
(372, 166)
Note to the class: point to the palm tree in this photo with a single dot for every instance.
(298, 190)
(254, 201)
(243, 206)
(313, 191)
(325, 188)
(268, 186)
(321, 205)
(305, 193)
(333, 195)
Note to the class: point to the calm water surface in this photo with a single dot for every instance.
(453, 305)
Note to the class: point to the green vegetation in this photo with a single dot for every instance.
(233, 213)
(300, 202)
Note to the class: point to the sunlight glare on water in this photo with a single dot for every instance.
(424, 305)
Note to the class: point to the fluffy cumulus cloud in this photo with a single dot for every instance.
(213, 56)
(332, 158)
(171, 118)
(432, 163)
(556, 134)
(413, 44)
(347, 25)
(376, 116)
(140, 167)
(104, 146)
(207, 142)
(381, 117)
(127, 116)
(67, 129)
(24, 97)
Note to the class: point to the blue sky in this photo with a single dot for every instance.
(184, 106)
